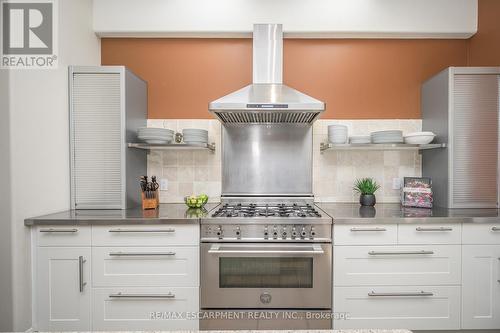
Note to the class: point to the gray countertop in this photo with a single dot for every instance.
(286, 331)
(344, 213)
(167, 213)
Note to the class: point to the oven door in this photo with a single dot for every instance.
(285, 276)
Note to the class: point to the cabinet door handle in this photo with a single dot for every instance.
(119, 254)
(369, 229)
(383, 253)
(434, 228)
(122, 295)
(495, 228)
(82, 284)
(402, 294)
(58, 230)
(142, 230)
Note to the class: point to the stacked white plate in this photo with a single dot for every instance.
(156, 136)
(393, 136)
(361, 139)
(419, 138)
(195, 135)
(337, 134)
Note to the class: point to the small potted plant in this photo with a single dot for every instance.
(366, 187)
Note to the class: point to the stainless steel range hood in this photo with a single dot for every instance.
(267, 99)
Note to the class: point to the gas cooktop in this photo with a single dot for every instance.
(266, 210)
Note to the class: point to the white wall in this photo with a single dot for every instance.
(5, 208)
(300, 18)
(40, 141)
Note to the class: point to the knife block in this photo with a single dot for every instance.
(150, 203)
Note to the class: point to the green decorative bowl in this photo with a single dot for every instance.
(196, 201)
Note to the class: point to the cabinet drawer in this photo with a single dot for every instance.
(141, 235)
(63, 235)
(365, 234)
(481, 233)
(446, 233)
(416, 307)
(397, 265)
(145, 266)
(144, 309)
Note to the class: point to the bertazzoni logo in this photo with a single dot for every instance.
(29, 34)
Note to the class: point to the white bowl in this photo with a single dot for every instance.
(419, 138)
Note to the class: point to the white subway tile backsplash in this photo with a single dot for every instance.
(334, 173)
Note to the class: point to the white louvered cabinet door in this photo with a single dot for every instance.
(475, 141)
(97, 141)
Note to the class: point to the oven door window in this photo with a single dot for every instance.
(265, 272)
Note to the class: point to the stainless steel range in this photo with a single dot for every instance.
(266, 256)
(267, 247)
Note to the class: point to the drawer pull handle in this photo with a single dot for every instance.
(121, 295)
(81, 284)
(412, 294)
(369, 229)
(118, 254)
(434, 229)
(383, 253)
(141, 230)
(495, 229)
(58, 230)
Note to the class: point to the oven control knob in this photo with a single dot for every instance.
(294, 233)
(283, 234)
(238, 232)
(219, 232)
(313, 233)
(266, 233)
(275, 233)
(303, 233)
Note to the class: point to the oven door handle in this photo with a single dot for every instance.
(235, 249)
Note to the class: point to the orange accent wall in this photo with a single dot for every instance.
(484, 47)
(357, 78)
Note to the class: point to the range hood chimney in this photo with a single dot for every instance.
(267, 54)
(267, 100)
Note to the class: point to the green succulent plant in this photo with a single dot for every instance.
(366, 186)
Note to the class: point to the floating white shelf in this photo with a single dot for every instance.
(173, 146)
(379, 146)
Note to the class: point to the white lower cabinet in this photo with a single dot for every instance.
(145, 266)
(386, 307)
(129, 277)
(397, 265)
(160, 309)
(481, 287)
(63, 295)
